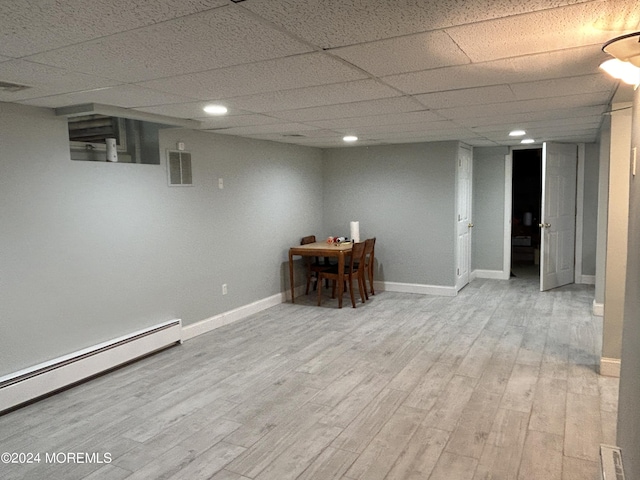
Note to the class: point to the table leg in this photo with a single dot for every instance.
(340, 277)
(291, 276)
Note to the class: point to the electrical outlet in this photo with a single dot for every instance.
(224, 288)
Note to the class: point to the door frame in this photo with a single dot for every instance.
(508, 206)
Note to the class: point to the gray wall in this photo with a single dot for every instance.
(629, 397)
(590, 208)
(488, 208)
(405, 196)
(603, 210)
(92, 250)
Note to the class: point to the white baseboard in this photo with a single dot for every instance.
(225, 318)
(492, 274)
(416, 288)
(586, 280)
(610, 367)
(598, 309)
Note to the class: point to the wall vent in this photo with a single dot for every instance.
(179, 168)
(611, 463)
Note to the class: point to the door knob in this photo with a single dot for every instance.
(544, 225)
(470, 225)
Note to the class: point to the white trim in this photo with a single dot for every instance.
(586, 279)
(579, 214)
(418, 288)
(492, 274)
(48, 377)
(598, 309)
(225, 318)
(508, 206)
(610, 367)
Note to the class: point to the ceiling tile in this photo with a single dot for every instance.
(28, 27)
(237, 121)
(430, 128)
(179, 46)
(466, 97)
(404, 54)
(385, 106)
(186, 110)
(313, 96)
(587, 121)
(589, 23)
(269, 128)
(267, 76)
(334, 23)
(563, 86)
(524, 106)
(518, 118)
(387, 119)
(45, 80)
(558, 64)
(127, 96)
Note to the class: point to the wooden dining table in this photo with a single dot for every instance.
(321, 249)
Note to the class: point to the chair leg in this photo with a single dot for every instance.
(362, 287)
(353, 298)
(371, 278)
(308, 283)
(319, 285)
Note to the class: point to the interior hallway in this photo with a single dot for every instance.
(498, 382)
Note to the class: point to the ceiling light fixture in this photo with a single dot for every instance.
(350, 138)
(215, 109)
(527, 140)
(625, 65)
(517, 133)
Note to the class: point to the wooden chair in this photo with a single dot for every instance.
(312, 265)
(354, 268)
(369, 252)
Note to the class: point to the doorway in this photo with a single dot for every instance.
(526, 212)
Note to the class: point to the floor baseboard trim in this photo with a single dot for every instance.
(598, 309)
(586, 279)
(491, 274)
(439, 290)
(610, 367)
(225, 318)
(231, 316)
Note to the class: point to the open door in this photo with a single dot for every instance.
(558, 224)
(463, 219)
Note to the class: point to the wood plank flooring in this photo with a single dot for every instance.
(499, 382)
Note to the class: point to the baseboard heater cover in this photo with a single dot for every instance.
(34, 382)
(611, 463)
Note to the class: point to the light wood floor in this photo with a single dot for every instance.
(499, 382)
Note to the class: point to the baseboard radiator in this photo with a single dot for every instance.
(26, 385)
(611, 462)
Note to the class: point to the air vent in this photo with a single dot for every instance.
(12, 87)
(179, 168)
(93, 128)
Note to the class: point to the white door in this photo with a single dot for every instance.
(463, 223)
(558, 224)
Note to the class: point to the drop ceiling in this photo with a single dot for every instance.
(309, 72)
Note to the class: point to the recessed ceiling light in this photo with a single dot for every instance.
(215, 109)
(517, 133)
(527, 140)
(350, 138)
